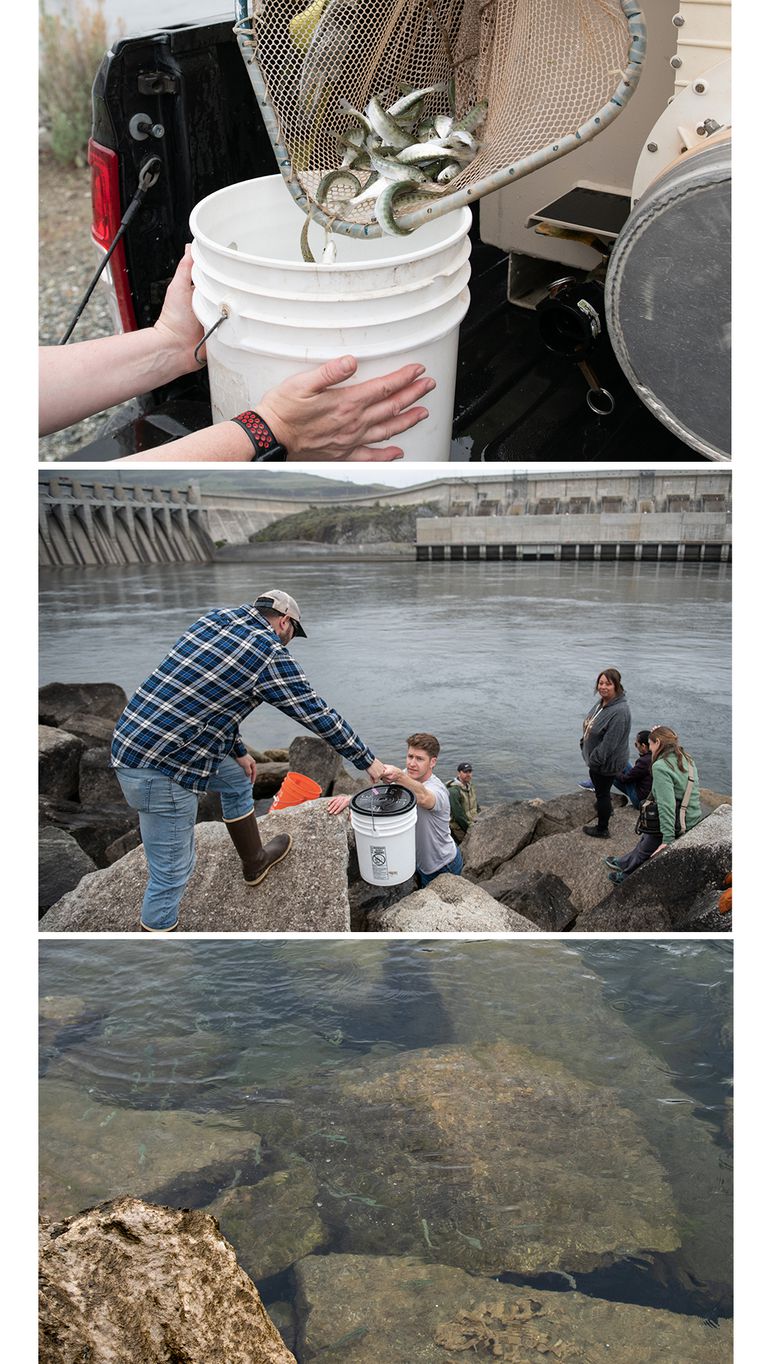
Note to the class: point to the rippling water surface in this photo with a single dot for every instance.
(190, 1073)
(498, 660)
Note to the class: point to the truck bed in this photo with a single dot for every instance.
(515, 400)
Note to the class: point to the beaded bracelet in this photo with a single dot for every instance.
(265, 444)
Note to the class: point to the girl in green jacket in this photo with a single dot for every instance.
(672, 769)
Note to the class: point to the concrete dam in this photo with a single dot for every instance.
(84, 522)
(653, 515)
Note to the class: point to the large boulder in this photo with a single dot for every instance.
(542, 899)
(272, 1223)
(367, 902)
(314, 758)
(567, 812)
(95, 730)
(497, 835)
(93, 1150)
(94, 827)
(348, 783)
(307, 892)
(132, 1283)
(578, 860)
(62, 865)
(122, 845)
(448, 905)
(98, 783)
(431, 1313)
(269, 779)
(676, 891)
(59, 700)
(484, 1154)
(58, 763)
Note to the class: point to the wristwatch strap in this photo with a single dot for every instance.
(265, 444)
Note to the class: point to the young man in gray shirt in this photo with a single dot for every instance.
(435, 848)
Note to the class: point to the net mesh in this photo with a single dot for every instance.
(544, 67)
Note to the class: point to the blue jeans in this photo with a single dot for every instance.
(629, 789)
(453, 868)
(167, 814)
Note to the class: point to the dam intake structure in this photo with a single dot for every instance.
(86, 522)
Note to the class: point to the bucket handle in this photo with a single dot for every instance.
(209, 333)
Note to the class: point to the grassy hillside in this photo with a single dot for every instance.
(347, 525)
(248, 483)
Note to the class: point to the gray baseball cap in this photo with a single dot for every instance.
(286, 605)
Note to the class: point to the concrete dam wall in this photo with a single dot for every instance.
(85, 522)
(646, 536)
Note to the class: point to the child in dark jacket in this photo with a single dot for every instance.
(636, 782)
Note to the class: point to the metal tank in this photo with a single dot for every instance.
(667, 297)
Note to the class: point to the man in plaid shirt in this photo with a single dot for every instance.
(179, 735)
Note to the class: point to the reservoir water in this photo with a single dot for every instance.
(216, 1074)
(498, 660)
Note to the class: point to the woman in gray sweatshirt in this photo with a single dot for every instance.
(605, 744)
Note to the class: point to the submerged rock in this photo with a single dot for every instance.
(307, 892)
(133, 1283)
(431, 1313)
(560, 1011)
(485, 1157)
(272, 1223)
(90, 1151)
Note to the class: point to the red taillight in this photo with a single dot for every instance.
(105, 199)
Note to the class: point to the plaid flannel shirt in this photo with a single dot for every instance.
(184, 719)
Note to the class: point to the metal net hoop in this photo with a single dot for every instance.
(553, 73)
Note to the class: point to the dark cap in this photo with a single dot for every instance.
(464, 767)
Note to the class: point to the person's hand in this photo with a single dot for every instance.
(390, 773)
(659, 849)
(248, 765)
(177, 327)
(314, 419)
(337, 804)
(375, 770)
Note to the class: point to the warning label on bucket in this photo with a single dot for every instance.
(379, 863)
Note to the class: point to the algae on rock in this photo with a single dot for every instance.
(488, 1157)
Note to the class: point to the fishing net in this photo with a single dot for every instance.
(530, 79)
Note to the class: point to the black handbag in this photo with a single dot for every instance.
(649, 816)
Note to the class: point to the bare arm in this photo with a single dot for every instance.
(310, 414)
(89, 376)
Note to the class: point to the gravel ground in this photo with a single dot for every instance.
(68, 259)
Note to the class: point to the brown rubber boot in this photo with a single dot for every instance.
(256, 859)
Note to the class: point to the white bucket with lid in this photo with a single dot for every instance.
(384, 819)
(389, 301)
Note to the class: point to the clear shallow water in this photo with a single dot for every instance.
(174, 1064)
(498, 661)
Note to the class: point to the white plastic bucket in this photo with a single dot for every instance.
(385, 843)
(389, 301)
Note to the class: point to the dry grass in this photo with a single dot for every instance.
(71, 49)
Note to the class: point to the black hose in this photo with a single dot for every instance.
(148, 176)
